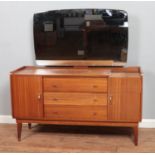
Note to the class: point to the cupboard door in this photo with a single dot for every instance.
(124, 98)
(27, 97)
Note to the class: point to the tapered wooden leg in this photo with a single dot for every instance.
(29, 125)
(135, 131)
(19, 130)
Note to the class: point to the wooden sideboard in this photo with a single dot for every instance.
(106, 96)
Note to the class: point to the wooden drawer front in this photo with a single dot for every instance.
(75, 84)
(75, 112)
(57, 98)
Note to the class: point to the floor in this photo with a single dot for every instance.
(52, 138)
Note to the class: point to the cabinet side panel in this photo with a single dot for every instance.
(141, 98)
(12, 94)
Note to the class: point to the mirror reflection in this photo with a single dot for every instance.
(81, 34)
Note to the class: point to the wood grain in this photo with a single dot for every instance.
(19, 130)
(54, 138)
(25, 92)
(78, 71)
(125, 84)
(125, 104)
(135, 131)
(125, 107)
(78, 96)
(80, 123)
(69, 98)
(75, 84)
(76, 113)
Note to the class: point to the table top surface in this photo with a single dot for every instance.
(70, 71)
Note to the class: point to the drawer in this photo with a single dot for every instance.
(75, 84)
(66, 98)
(75, 112)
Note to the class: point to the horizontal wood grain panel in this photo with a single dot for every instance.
(76, 113)
(73, 71)
(75, 84)
(67, 98)
(79, 123)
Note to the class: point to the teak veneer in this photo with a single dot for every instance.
(105, 96)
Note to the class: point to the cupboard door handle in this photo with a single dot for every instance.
(39, 96)
(55, 99)
(94, 86)
(110, 100)
(95, 100)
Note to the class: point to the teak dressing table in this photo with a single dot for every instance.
(105, 96)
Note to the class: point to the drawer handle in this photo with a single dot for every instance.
(94, 113)
(55, 86)
(94, 86)
(55, 112)
(95, 100)
(110, 100)
(55, 99)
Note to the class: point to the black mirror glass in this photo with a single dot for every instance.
(81, 34)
